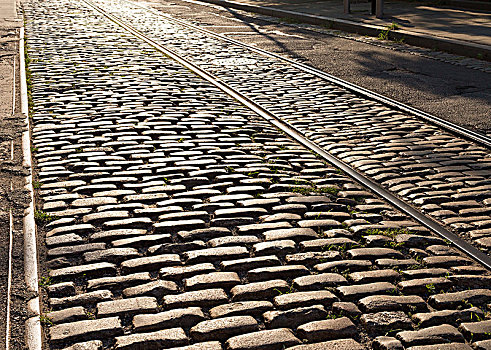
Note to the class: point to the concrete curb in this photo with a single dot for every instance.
(33, 324)
(468, 5)
(454, 46)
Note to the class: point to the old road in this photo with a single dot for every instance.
(196, 192)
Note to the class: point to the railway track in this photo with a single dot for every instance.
(178, 210)
(420, 143)
(297, 135)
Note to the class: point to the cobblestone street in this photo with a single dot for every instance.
(172, 216)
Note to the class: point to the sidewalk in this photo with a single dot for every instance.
(464, 32)
(7, 10)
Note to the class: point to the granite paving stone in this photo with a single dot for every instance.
(185, 317)
(153, 340)
(259, 290)
(79, 330)
(476, 330)
(206, 297)
(275, 339)
(127, 306)
(294, 317)
(384, 321)
(341, 344)
(223, 328)
(452, 317)
(432, 335)
(327, 329)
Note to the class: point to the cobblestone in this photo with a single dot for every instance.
(327, 329)
(449, 300)
(210, 345)
(155, 340)
(186, 221)
(106, 327)
(431, 335)
(61, 289)
(387, 343)
(342, 344)
(254, 308)
(156, 289)
(476, 330)
(303, 299)
(90, 345)
(186, 317)
(377, 303)
(276, 339)
(277, 272)
(216, 279)
(294, 317)
(421, 285)
(453, 317)
(259, 290)
(481, 345)
(127, 306)
(207, 297)
(214, 254)
(223, 328)
(118, 281)
(81, 299)
(384, 321)
(150, 263)
(450, 346)
(67, 315)
(178, 273)
(358, 291)
(319, 281)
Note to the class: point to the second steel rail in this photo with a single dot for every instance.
(291, 131)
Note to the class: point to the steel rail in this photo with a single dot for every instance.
(291, 131)
(449, 126)
(11, 221)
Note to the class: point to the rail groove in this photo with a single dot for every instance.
(11, 223)
(292, 132)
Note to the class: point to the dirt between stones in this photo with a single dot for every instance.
(13, 197)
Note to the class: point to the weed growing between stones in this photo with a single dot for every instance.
(45, 281)
(308, 190)
(384, 34)
(45, 320)
(42, 218)
(36, 185)
(388, 233)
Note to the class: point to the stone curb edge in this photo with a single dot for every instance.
(469, 4)
(454, 46)
(33, 323)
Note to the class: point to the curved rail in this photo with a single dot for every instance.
(291, 131)
(449, 126)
